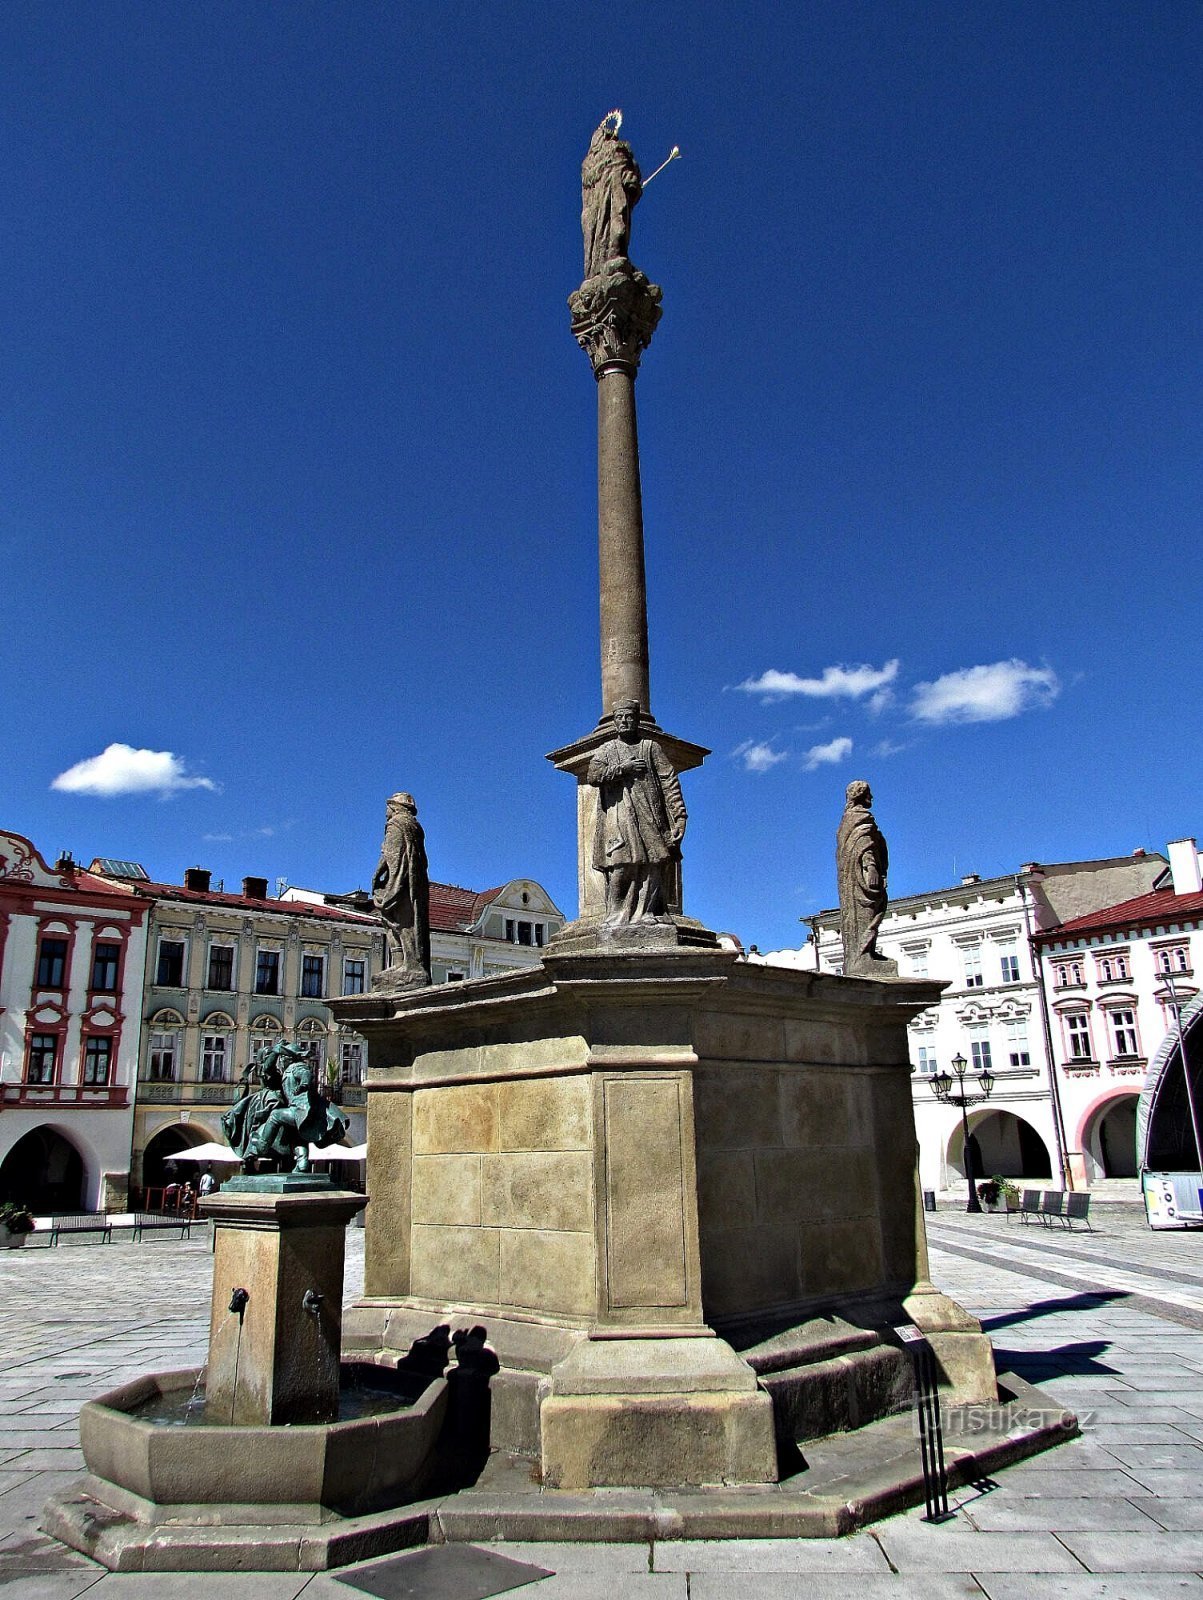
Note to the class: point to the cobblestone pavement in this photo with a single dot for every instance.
(1111, 1323)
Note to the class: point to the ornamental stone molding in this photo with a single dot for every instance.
(614, 316)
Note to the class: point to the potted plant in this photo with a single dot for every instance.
(990, 1192)
(16, 1223)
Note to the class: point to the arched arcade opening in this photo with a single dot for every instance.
(1004, 1145)
(158, 1167)
(1108, 1138)
(45, 1172)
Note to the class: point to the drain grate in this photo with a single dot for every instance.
(444, 1572)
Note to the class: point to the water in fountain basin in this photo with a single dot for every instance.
(371, 1394)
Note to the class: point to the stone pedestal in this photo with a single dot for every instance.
(611, 1159)
(276, 1359)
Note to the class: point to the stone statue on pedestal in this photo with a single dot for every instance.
(401, 894)
(861, 863)
(640, 821)
(610, 188)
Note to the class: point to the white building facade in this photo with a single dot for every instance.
(1114, 978)
(72, 959)
(978, 936)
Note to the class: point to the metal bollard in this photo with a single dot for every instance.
(931, 1428)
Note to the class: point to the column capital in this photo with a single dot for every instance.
(614, 316)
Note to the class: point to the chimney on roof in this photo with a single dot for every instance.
(1138, 853)
(1184, 866)
(970, 878)
(198, 879)
(65, 863)
(254, 888)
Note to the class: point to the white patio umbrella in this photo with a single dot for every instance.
(206, 1152)
(338, 1152)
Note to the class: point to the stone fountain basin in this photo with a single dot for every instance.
(351, 1467)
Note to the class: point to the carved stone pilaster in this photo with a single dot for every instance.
(614, 316)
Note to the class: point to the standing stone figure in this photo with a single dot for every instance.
(640, 821)
(861, 864)
(401, 893)
(610, 188)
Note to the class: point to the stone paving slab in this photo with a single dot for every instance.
(917, 1548)
(1139, 1552)
(1007, 1513)
(1084, 1586)
(831, 1586)
(857, 1553)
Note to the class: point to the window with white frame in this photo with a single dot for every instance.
(1019, 1052)
(971, 958)
(267, 972)
(1077, 1036)
(350, 1066)
(355, 970)
(925, 1060)
(1008, 957)
(1124, 1040)
(265, 1032)
(169, 969)
(312, 1035)
(163, 1058)
(98, 1054)
(918, 962)
(43, 1058)
(313, 977)
(1172, 959)
(221, 967)
(1068, 974)
(980, 1050)
(215, 1057)
(1113, 967)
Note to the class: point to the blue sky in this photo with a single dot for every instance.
(297, 451)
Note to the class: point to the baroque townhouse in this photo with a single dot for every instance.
(72, 960)
(1114, 978)
(227, 974)
(977, 935)
(473, 934)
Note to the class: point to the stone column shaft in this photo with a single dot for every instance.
(623, 588)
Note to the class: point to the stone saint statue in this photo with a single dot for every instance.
(401, 893)
(640, 821)
(610, 188)
(861, 864)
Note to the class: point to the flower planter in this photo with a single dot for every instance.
(10, 1240)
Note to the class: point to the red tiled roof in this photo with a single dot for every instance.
(1154, 909)
(242, 902)
(453, 909)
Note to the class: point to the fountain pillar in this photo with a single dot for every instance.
(274, 1349)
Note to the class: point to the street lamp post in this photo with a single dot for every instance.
(942, 1087)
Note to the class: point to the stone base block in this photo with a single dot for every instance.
(963, 1352)
(655, 1412)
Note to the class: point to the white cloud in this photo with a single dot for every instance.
(758, 757)
(985, 694)
(887, 747)
(120, 769)
(828, 755)
(834, 683)
(880, 701)
(217, 838)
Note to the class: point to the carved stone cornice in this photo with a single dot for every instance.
(614, 316)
